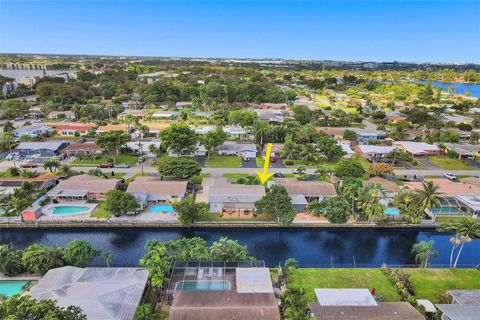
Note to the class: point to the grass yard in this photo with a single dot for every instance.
(123, 158)
(259, 161)
(216, 161)
(450, 164)
(343, 278)
(431, 283)
(100, 211)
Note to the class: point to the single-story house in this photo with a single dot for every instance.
(237, 132)
(464, 150)
(347, 149)
(67, 115)
(170, 115)
(139, 114)
(203, 130)
(203, 114)
(41, 148)
(272, 116)
(88, 147)
(222, 196)
(75, 130)
(417, 149)
(465, 305)
(182, 104)
(101, 293)
(373, 151)
(366, 136)
(359, 304)
(464, 135)
(112, 127)
(158, 190)
(304, 192)
(277, 149)
(143, 146)
(336, 133)
(229, 148)
(83, 187)
(456, 118)
(35, 130)
(42, 182)
(200, 151)
(275, 106)
(391, 188)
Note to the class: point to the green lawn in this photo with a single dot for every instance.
(430, 284)
(123, 158)
(259, 161)
(198, 178)
(223, 162)
(235, 175)
(450, 164)
(343, 278)
(100, 211)
(211, 216)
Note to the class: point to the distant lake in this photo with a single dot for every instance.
(458, 88)
(19, 74)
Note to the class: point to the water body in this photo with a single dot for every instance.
(312, 247)
(458, 88)
(19, 74)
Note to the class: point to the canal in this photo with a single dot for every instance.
(312, 247)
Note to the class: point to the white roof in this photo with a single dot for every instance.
(376, 149)
(459, 312)
(144, 144)
(345, 297)
(253, 280)
(40, 145)
(414, 147)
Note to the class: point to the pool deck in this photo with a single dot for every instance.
(22, 277)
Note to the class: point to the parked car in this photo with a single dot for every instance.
(19, 118)
(246, 159)
(105, 165)
(450, 176)
(273, 158)
(279, 175)
(122, 165)
(29, 165)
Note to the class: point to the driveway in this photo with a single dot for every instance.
(278, 164)
(249, 164)
(427, 164)
(201, 161)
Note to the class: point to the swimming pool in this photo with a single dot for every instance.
(9, 288)
(68, 210)
(217, 285)
(392, 211)
(161, 208)
(445, 210)
(2, 211)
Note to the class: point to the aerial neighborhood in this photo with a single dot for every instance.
(375, 163)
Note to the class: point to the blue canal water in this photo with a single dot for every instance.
(312, 247)
(458, 88)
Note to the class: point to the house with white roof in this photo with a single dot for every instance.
(237, 132)
(35, 130)
(41, 148)
(374, 151)
(417, 149)
(232, 148)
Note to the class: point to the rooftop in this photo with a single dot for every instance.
(307, 188)
(52, 145)
(84, 182)
(83, 147)
(466, 297)
(156, 186)
(383, 311)
(101, 293)
(459, 312)
(387, 184)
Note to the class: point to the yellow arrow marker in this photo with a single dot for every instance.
(264, 176)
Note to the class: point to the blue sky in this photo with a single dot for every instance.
(409, 30)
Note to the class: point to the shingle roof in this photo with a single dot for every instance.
(86, 182)
(459, 312)
(307, 188)
(239, 193)
(39, 145)
(387, 184)
(101, 293)
(383, 311)
(156, 186)
(466, 297)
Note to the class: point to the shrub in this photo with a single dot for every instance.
(288, 162)
(241, 180)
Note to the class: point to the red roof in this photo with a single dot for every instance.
(79, 127)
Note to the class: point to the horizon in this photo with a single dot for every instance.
(258, 29)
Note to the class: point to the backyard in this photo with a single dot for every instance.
(429, 284)
(450, 163)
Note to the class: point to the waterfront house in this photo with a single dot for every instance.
(243, 291)
(41, 148)
(465, 305)
(390, 187)
(88, 147)
(157, 190)
(417, 149)
(75, 130)
(101, 293)
(358, 304)
(229, 148)
(35, 130)
(83, 187)
(225, 197)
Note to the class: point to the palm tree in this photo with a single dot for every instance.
(290, 151)
(309, 153)
(423, 251)
(262, 129)
(51, 165)
(428, 197)
(65, 170)
(465, 230)
(322, 173)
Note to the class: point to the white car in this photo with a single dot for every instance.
(450, 176)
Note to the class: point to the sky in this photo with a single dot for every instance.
(373, 30)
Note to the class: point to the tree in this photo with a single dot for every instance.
(8, 127)
(423, 251)
(213, 138)
(295, 304)
(407, 203)
(335, 209)
(350, 135)
(309, 153)
(291, 264)
(51, 164)
(322, 173)
(262, 131)
(157, 262)
(23, 307)
(120, 203)
(65, 170)
(188, 211)
(10, 261)
(79, 253)
(180, 168)
(145, 312)
(106, 257)
(112, 141)
(242, 118)
(229, 250)
(349, 168)
(178, 138)
(380, 169)
(39, 259)
(428, 196)
(465, 230)
(369, 202)
(277, 204)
